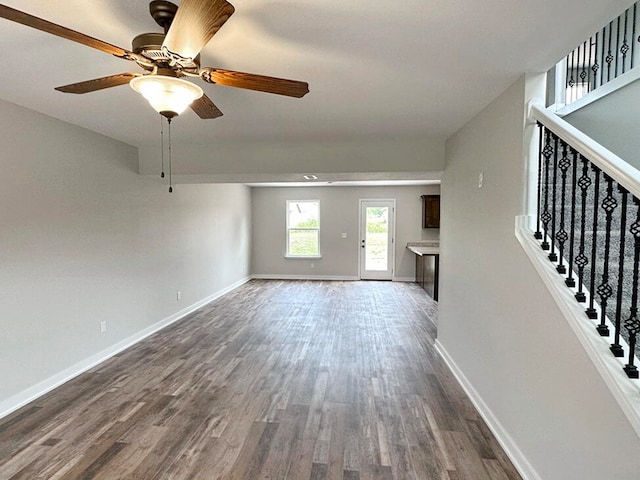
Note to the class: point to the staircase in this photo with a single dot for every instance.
(588, 198)
(585, 243)
(590, 224)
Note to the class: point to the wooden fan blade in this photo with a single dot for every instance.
(261, 83)
(40, 24)
(98, 83)
(196, 22)
(205, 108)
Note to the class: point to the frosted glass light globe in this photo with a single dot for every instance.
(168, 96)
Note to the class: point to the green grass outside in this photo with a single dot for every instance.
(303, 242)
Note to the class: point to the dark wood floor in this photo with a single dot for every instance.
(295, 380)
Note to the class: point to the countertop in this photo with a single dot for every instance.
(424, 248)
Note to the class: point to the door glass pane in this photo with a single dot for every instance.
(376, 240)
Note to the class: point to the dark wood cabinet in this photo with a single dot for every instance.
(427, 267)
(430, 211)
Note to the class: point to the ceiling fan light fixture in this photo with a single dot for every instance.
(169, 96)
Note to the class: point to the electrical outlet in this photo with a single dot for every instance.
(313, 265)
(480, 179)
(344, 235)
(103, 326)
(178, 295)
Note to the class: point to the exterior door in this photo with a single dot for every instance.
(377, 231)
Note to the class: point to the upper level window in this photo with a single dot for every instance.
(303, 228)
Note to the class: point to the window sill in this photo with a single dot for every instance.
(303, 257)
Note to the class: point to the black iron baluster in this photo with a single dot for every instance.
(562, 235)
(581, 260)
(567, 98)
(553, 256)
(547, 151)
(583, 73)
(570, 282)
(633, 34)
(632, 324)
(604, 39)
(571, 81)
(609, 204)
(589, 64)
(538, 234)
(616, 348)
(625, 45)
(609, 58)
(595, 67)
(591, 311)
(617, 48)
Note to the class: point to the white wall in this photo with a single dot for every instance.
(500, 325)
(339, 210)
(283, 158)
(85, 239)
(612, 121)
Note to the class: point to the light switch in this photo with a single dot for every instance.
(344, 235)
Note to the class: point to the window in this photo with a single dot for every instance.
(303, 228)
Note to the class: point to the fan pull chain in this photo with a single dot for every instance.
(170, 177)
(162, 144)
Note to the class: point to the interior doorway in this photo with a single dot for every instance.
(377, 232)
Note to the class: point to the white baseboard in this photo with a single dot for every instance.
(344, 278)
(279, 276)
(19, 400)
(516, 456)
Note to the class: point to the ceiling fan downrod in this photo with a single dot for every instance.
(163, 13)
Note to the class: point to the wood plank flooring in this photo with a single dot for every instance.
(276, 380)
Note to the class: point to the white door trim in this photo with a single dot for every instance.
(392, 256)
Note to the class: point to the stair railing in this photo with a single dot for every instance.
(604, 56)
(588, 220)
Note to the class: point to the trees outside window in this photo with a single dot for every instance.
(303, 228)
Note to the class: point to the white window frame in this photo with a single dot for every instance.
(287, 252)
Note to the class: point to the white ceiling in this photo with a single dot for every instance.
(375, 68)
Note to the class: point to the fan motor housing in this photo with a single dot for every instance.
(149, 45)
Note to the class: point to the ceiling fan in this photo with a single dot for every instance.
(167, 58)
